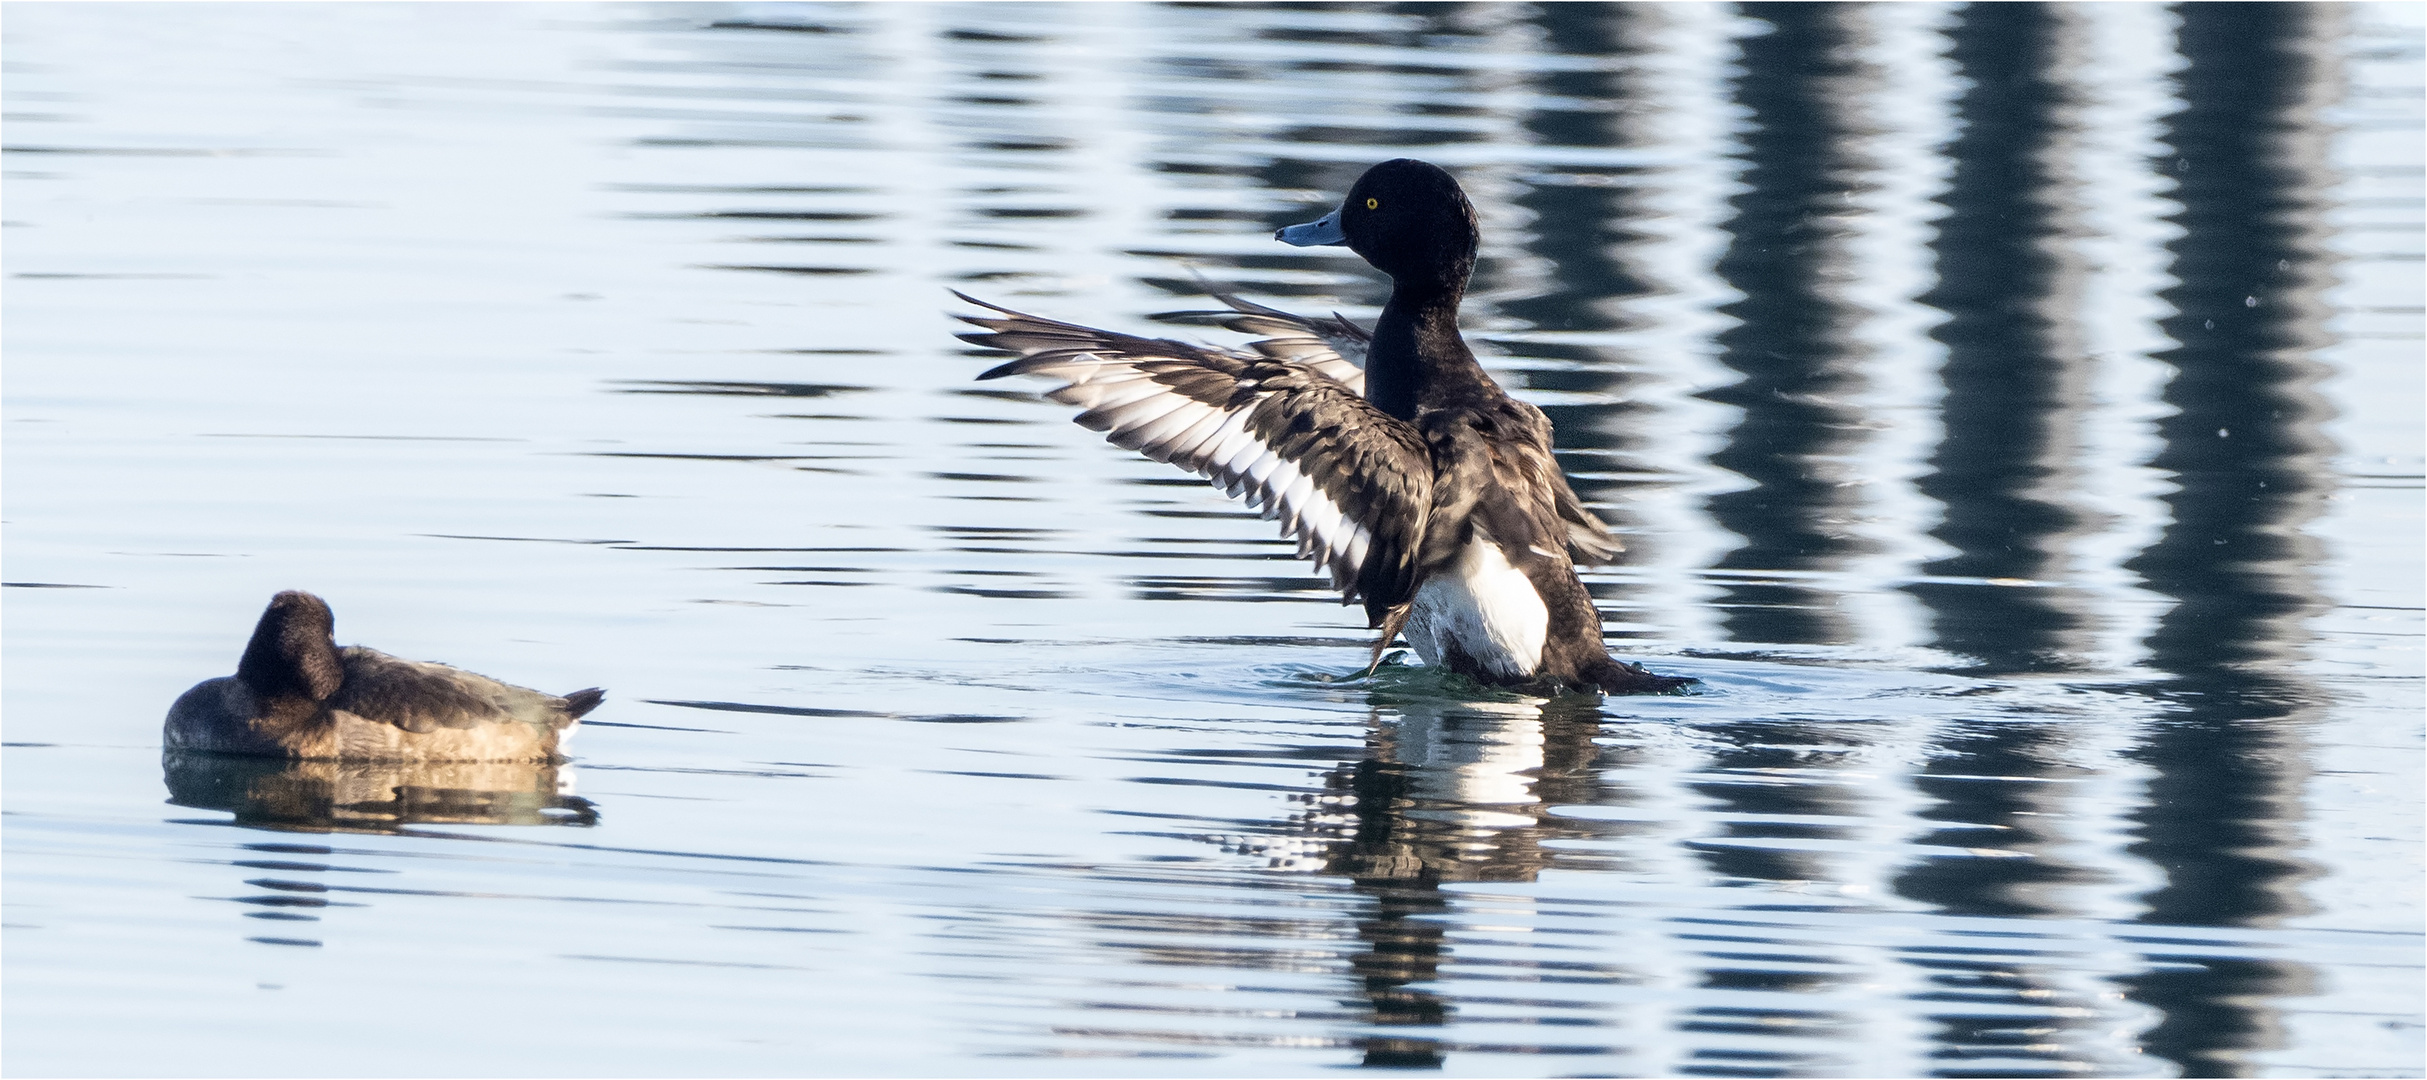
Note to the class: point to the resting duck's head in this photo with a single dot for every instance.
(294, 651)
(1408, 218)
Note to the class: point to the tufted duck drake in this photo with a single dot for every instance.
(296, 694)
(1427, 492)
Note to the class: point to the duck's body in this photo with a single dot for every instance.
(296, 694)
(1428, 492)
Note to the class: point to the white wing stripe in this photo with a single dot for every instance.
(1294, 499)
(1266, 489)
(1209, 449)
(1180, 444)
(1274, 485)
(1089, 371)
(1156, 436)
(1322, 518)
(1248, 448)
(1209, 427)
(1105, 398)
(1139, 415)
(1263, 468)
(1141, 406)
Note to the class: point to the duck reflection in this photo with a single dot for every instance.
(326, 796)
(1447, 792)
(374, 796)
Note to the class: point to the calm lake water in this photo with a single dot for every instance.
(2013, 413)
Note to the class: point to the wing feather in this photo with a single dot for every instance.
(1336, 348)
(1589, 540)
(1352, 484)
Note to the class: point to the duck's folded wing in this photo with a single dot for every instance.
(1589, 540)
(1336, 348)
(423, 697)
(1352, 483)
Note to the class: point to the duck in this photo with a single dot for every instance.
(297, 694)
(1424, 489)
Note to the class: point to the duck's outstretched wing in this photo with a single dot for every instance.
(1352, 483)
(1336, 348)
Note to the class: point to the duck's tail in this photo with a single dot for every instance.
(1620, 677)
(579, 703)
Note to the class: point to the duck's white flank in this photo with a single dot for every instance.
(1483, 607)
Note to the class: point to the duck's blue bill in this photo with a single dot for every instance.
(1317, 233)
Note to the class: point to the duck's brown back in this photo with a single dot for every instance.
(390, 707)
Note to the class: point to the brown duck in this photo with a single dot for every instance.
(297, 694)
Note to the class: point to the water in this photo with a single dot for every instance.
(2012, 413)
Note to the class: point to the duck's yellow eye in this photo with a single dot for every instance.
(1373, 204)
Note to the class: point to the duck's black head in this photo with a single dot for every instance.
(1409, 219)
(294, 650)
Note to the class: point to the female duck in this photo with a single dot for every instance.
(1425, 490)
(297, 694)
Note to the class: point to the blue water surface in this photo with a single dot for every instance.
(2012, 412)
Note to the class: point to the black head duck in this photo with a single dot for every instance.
(1426, 491)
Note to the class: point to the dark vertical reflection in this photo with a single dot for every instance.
(2245, 450)
(2014, 371)
(1438, 100)
(1790, 339)
(2013, 378)
(1801, 86)
(1400, 947)
(1584, 217)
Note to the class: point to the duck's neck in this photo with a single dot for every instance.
(1418, 356)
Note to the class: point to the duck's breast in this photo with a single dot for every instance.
(212, 716)
(224, 716)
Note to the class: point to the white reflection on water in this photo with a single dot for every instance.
(946, 739)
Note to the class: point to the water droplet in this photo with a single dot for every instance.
(2249, 301)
